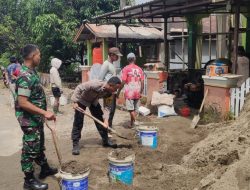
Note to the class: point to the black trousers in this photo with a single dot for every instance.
(97, 112)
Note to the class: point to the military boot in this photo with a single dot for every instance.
(31, 183)
(46, 170)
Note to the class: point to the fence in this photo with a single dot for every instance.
(238, 96)
(145, 89)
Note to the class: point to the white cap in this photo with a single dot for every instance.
(130, 55)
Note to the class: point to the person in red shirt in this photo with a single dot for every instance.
(17, 70)
(132, 77)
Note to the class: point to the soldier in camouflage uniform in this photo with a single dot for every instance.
(31, 110)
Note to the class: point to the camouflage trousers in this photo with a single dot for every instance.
(33, 148)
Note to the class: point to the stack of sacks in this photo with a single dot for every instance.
(164, 102)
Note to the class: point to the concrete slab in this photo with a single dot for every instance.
(10, 132)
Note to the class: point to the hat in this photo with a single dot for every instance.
(130, 55)
(115, 50)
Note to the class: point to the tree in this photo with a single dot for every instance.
(12, 40)
(54, 37)
(51, 24)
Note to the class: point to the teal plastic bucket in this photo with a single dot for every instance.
(74, 182)
(149, 137)
(121, 170)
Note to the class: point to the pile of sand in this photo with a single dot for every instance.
(219, 161)
(224, 154)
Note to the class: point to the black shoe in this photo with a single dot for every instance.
(109, 143)
(76, 149)
(47, 171)
(34, 184)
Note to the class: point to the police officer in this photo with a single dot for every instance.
(31, 110)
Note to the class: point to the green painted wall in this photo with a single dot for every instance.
(89, 52)
(104, 49)
(244, 24)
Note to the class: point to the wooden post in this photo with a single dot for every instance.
(183, 47)
(104, 49)
(247, 42)
(248, 35)
(166, 45)
(117, 34)
(89, 52)
(210, 38)
(230, 40)
(236, 37)
(192, 32)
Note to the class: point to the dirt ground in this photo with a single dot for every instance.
(209, 157)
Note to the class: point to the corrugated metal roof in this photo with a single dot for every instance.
(177, 27)
(125, 32)
(172, 8)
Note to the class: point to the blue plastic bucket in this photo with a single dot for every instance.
(121, 170)
(149, 138)
(74, 182)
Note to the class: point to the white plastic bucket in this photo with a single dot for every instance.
(74, 182)
(121, 170)
(148, 137)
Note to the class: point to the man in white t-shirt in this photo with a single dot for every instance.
(108, 70)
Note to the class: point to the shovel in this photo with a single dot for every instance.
(54, 136)
(196, 118)
(101, 123)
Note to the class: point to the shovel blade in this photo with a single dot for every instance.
(118, 134)
(121, 136)
(195, 121)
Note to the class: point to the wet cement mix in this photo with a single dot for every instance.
(74, 167)
(121, 154)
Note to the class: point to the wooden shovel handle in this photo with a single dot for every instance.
(101, 123)
(92, 117)
(54, 137)
(203, 101)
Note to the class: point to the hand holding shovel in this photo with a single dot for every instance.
(54, 136)
(100, 122)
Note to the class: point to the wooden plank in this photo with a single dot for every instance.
(242, 95)
(145, 85)
(247, 85)
(232, 101)
(237, 102)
